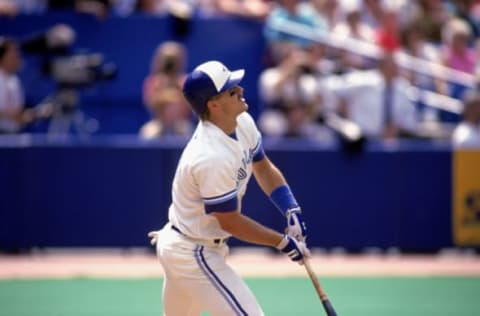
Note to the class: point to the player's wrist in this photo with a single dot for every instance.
(283, 242)
(284, 200)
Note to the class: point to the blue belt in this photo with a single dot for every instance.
(216, 241)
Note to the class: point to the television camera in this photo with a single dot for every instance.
(70, 72)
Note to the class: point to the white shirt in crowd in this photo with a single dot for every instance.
(11, 99)
(466, 136)
(305, 89)
(364, 93)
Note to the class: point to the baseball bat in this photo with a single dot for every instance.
(318, 288)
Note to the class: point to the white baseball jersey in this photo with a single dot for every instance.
(212, 176)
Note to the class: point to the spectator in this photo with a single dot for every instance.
(464, 10)
(324, 14)
(387, 34)
(377, 101)
(127, 7)
(151, 7)
(279, 41)
(467, 132)
(415, 45)
(291, 96)
(162, 94)
(371, 13)
(352, 25)
(431, 15)
(456, 53)
(353, 28)
(252, 9)
(8, 8)
(98, 8)
(13, 115)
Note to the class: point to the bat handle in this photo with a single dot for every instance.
(320, 292)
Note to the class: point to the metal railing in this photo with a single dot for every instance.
(404, 60)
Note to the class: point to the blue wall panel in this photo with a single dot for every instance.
(112, 195)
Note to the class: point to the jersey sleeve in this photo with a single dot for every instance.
(254, 136)
(218, 187)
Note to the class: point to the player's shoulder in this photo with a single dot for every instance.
(205, 149)
(210, 161)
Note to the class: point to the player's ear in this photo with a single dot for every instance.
(212, 105)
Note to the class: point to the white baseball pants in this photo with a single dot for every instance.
(198, 279)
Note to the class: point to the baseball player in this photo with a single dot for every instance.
(210, 181)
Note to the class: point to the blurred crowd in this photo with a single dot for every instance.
(348, 69)
(369, 64)
(102, 8)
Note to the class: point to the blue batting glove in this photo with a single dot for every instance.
(296, 227)
(296, 250)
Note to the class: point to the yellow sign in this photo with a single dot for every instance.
(466, 198)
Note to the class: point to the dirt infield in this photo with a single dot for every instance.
(140, 264)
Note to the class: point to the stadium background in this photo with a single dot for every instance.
(111, 189)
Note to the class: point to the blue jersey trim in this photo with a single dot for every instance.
(258, 152)
(217, 283)
(220, 198)
(259, 155)
(225, 206)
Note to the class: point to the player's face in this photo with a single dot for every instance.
(233, 102)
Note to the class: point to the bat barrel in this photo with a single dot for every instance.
(329, 308)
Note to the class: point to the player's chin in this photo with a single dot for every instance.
(244, 104)
(241, 109)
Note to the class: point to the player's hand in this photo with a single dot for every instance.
(296, 250)
(153, 237)
(296, 227)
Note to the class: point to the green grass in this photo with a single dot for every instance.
(439, 296)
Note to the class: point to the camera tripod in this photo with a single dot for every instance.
(65, 117)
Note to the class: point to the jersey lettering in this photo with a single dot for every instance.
(247, 157)
(246, 160)
(241, 174)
